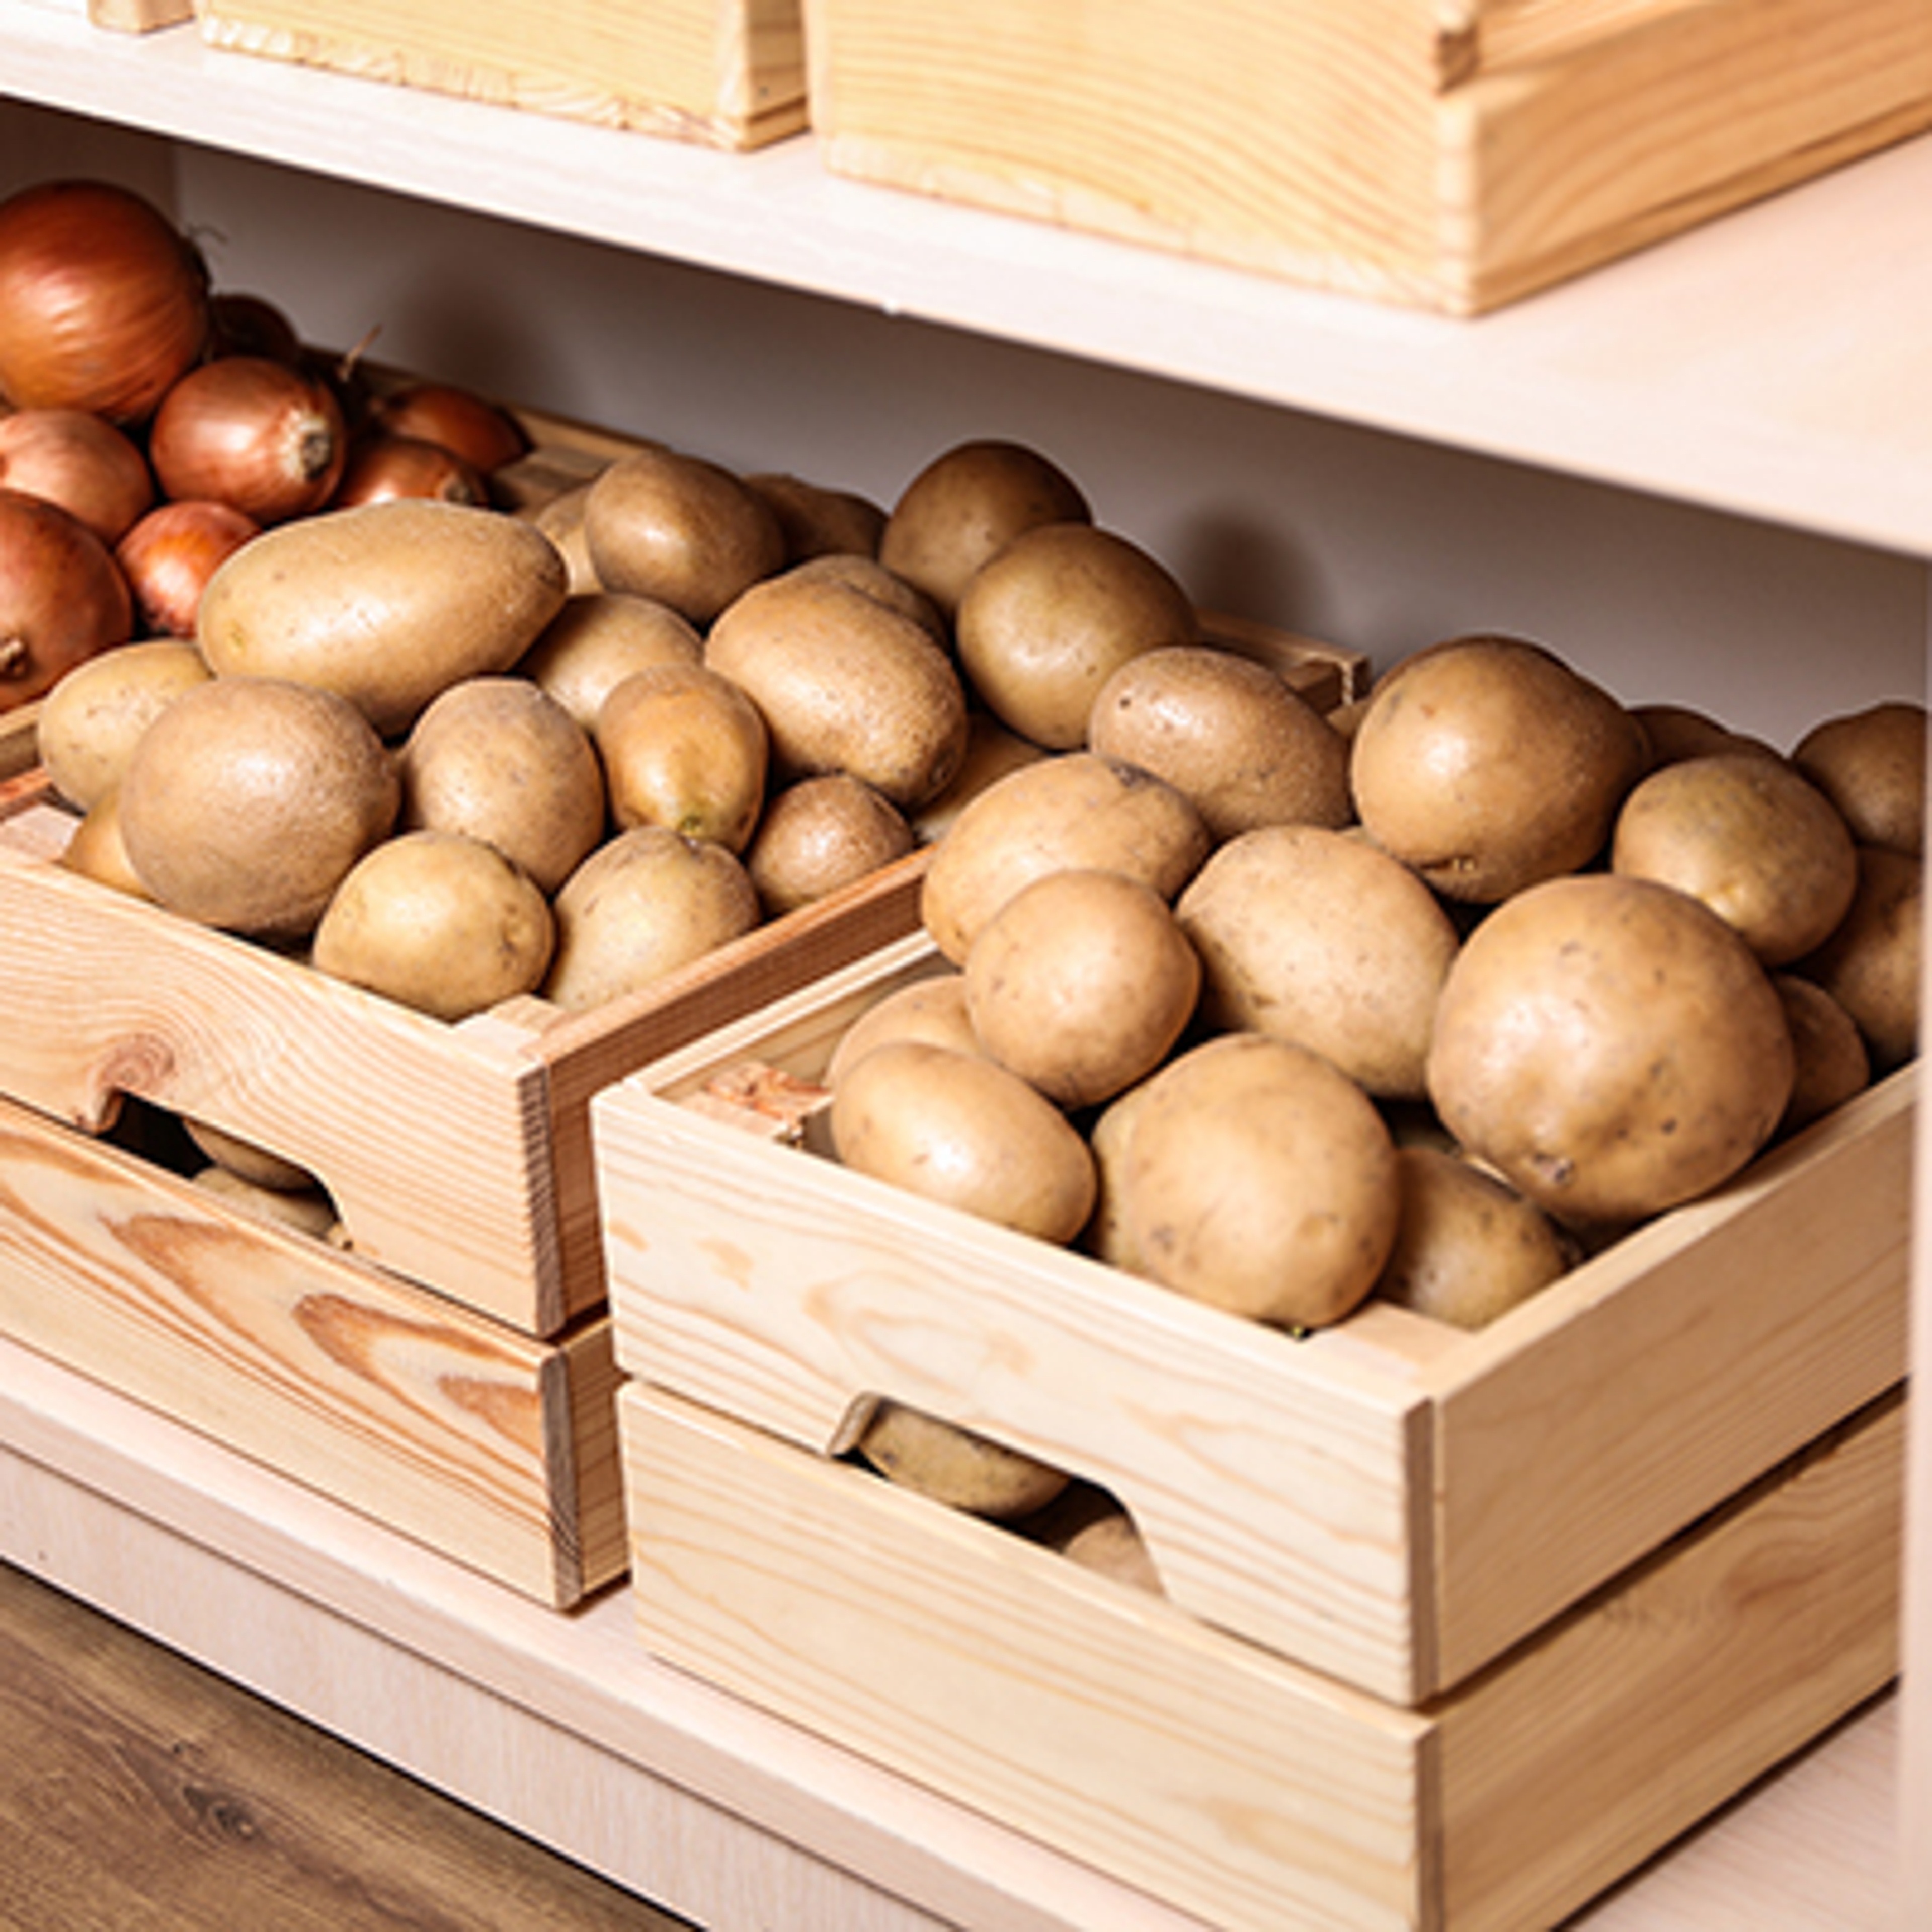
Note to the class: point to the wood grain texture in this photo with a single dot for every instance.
(140, 1793)
(138, 16)
(1238, 1787)
(727, 74)
(1452, 157)
(487, 1444)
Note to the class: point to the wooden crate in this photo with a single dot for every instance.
(725, 73)
(1390, 1502)
(495, 1448)
(1454, 154)
(1251, 1794)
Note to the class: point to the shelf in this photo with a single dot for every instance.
(1774, 364)
(562, 1727)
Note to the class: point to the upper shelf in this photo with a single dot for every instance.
(1776, 364)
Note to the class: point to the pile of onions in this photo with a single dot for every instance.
(103, 302)
(79, 460)
(266, 438)
(63, 599)
(171, 553)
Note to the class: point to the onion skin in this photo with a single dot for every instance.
(241, 324)
(63, 599)
(171, 553)
(255, 433)
(103, 302)
(484, 435)
(382, 466)
(81, 462)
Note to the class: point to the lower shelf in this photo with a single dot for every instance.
(559, 1724)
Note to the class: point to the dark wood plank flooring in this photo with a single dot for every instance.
(138, 1792)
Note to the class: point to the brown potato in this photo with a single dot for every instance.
(1871, 964)
(817, 520)
(957, 1466)
(247, 1160)
(1488, 764)
(438, 921)
(308, 1211)
(1239, 740)
(1313, 936)
(1674, 731)
(643, 905)
(1610, 1046)
(97, 851)
(1259, 1178)
(685, 747)
(89, 720)
(561, 519)
(1105, 1236)
(1468, 1247)
(959, 1128)
(968, 502)
(498, 759)
(933, 1009)
(595, 642)
(1870, 763)
(660, 523)
(819, 835)
(846, 683)
(991, 751)
(1831, 1062)
(1043, 624)
(1750, 836)
(1073, 809)
(1082, 983)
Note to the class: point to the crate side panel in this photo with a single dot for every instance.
(1085, 1713)
(395, 1401)
(1594, 1748)
(436, 1152)
(1275, 1486)
(1670, 1372)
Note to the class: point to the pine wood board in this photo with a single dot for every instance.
(1233, 1786)
(138, 16)
(1388, 1501)
(495, 1448)
(725, 73)
(1454, 157)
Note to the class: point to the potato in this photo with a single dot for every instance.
(247, 799)
(561, 519)
(660, 523)
(958, 1129)
(1468, 1247)
(308, 1212)
(1610, 1046)
(247, 1160)
(595, 642)
(1258, 1178)
(684, 748)
(1313, 936)
(991, 751)
(1233, 735)
(437, 921)
(1043, 623)
(820, 836)
(846, 683)
(1750, 836)
(866, 574)
(1105, 1236)
(1082, 983)
(968, 502)
(88, 722)
(385, 604)
(1073, 809)
(1488, 764)
(1871, 964)
(954, 1465)
(817, 520)
(1674, 731)
(1870, 763)
(644, 904)
(97, 851)
(1831, 1059)
(933, 1009)
(498, 759)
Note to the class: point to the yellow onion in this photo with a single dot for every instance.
(257, 434)
(103, 302)
(171, 553)
(63, 599)
(79, 460)
(483, 433)
(381, 467)
(242, 324)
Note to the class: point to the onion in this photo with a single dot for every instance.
(266, 438)
(381, 467)
(484, 435)
(63, 599)
(171, 553)
(104, 303)
(251, 325)
(79, 460)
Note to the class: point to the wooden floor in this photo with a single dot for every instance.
(138, 1792)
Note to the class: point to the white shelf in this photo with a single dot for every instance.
(1774, 364)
